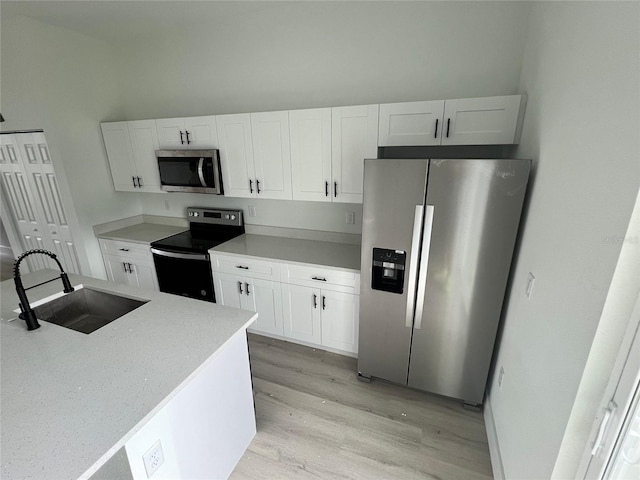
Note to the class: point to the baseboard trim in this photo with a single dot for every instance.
(492, 439)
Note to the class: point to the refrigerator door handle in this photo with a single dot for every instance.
(424, 264)
(413, 265)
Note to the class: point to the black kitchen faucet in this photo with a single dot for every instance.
(28, 314)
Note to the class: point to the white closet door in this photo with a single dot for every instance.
(33, 196)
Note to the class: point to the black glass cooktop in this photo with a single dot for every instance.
(193, 243)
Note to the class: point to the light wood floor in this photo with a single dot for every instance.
(316, 420)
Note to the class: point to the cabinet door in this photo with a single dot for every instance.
(301, 307)
(340, 320)
(116, 269)
(229, 289)
(171, 133)
(144, 143)
(311, 154)
(271, 154)
(354, 137)
(481, 121)
(143, 276)
(201, 132)
(236, 154)
(411, 123)
(264, 297)
(120, 155)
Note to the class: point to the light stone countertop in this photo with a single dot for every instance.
(142, 232)
(330, 254)
(70, 401)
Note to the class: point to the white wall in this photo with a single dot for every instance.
(581, 73)
(66, 83)
(288, 55)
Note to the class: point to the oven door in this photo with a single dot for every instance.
(196, 171)
(184, 274)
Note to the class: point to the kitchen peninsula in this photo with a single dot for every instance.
(174, 370)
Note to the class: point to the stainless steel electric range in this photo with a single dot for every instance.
(182, 260)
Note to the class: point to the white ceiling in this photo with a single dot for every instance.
(120, 21)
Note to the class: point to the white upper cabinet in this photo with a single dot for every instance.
(144, 143)
(118, 146)
(255, 154)
(412, 123)
(236, 154)
(189, 132)
(481, 121)
(311, 154)
(354, 137)
(131, 150)
(469, 121)
(271, 155)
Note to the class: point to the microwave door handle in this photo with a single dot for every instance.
(201, 172)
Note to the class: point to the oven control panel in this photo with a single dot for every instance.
(216, 216)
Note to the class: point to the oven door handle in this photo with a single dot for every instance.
(185, 256)
(201, 172)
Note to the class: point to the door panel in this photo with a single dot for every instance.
(392, 190)
(272, 154)
(340, 320)
(311, 154)
(265, 297)
(236, 154)
(477, 205)
(301, 313)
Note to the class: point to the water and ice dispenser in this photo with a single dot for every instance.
(388, 270)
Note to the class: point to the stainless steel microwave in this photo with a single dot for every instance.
(196, 171)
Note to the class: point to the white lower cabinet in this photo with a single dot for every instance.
(321, 316)
(302, 313)
(340, 314)
(129, 263)
(254, 294)
(309, 304)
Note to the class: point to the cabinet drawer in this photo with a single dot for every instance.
(317, 276)
(247, 266)
(134, 251)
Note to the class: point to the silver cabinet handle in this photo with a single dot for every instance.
(140, 182)
(323, 302)
(321, 279)
(315, 301)
(135, 185)
(187, 135)
(240, 288)
(246, 287)
(250, 186)
(181, 139)
(123, 249)
(335, 189)
(242, 267)
(258, 185)
(424, 264)
(124, 266)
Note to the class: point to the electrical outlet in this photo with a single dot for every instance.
(351, 218)
(153, 459)
(529, 290)
(500, 377)
(252, 211)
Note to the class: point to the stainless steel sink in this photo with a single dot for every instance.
(86, 310)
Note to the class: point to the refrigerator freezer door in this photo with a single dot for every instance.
(392, 191)
(477, 206)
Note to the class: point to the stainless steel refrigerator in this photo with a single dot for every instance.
(437, 243)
